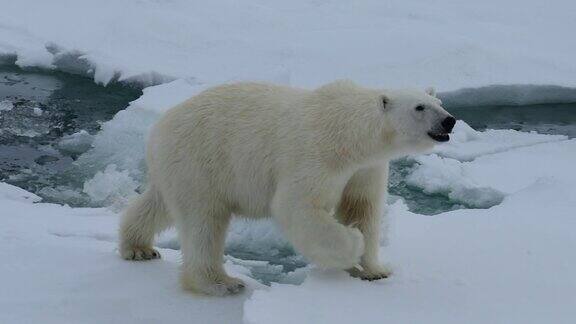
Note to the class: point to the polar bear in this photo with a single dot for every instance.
(314, 160)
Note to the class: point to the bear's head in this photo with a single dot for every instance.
(374, 123)
(417, 118)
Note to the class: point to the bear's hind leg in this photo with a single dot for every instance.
(202, 233)
(145, 217)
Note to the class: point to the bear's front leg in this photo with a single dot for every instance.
(369, 225)
(308, 224)
(361, 206)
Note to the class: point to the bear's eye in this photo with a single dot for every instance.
(384, 101)
(419, 108)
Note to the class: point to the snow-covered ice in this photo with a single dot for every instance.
(480, 168)
(513, 263)
(78, 142)
(466, 143)
(510, 263)
(6, 105)
(111, 187)
(61, 266)
(447, 44)
(9, 192)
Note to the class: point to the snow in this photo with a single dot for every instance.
(466, 144)
(448, 176)
(9, 192)
(508, 263)
(107, 186)
(63, 267)
(447, 44)
(78, 142)
(481, 168)
(522, 167)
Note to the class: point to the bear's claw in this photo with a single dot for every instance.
(234, 289)
(373, 278)
(140, 254)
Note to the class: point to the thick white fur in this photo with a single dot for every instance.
(317, 161)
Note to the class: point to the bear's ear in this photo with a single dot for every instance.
(431, 91)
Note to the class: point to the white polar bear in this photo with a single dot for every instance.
(316, 161)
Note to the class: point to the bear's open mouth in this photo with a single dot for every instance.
(439, 137)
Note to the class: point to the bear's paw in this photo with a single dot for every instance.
(139, 253)
(371, 273)
(223, 286)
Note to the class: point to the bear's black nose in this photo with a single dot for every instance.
(448, 124)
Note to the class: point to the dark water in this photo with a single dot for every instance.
(36, 147)
(417, 200)
(542, 118)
